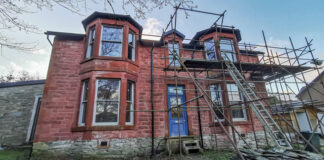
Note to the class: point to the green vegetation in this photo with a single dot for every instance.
(218, 154)
(14, 154)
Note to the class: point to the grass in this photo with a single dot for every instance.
(14, 154)
(218, 154)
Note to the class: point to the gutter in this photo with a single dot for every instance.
(152, 102)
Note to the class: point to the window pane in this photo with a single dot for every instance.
(111, 49)
(131, 46)
(211, 56)
(112, 34)
(172, 90)
(107, 112)
(238, 113)
(173, 49)
(108, 89)
(90, 42)
(130, 52)
(216, 96)
(130, 39)
(226, 44)
(128, 113)
(129, 91)
(85, 90)
(209, 45)
(84, 108)
(210, 49)
(174, 109)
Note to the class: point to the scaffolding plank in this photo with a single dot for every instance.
(270, 71)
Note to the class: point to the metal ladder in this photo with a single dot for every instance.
(258, 108)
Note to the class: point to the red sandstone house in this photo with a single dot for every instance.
(95, 80)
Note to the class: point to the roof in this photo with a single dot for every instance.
(212, 29)
(288, 106)
(302, 90)
(96, 15)
(66, 35)
(251, 53)
(21, 83)
(173, 31)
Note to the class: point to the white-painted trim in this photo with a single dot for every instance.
(31, 121)
(81, 105)
(94, 123)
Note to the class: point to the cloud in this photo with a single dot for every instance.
(15, 67)
(152, 27)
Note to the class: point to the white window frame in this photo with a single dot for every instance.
(92, 33)
(242, 100)
(94, 123)
(31, 121)
(122, 39)
(222, 102)
(206, 51)
(131, 108)
(133, 46)
(80, 123)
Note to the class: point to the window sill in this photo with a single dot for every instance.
(102, 128)
(243, 122)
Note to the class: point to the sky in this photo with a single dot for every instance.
(279, 19)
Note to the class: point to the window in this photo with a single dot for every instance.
(131, 46)
(216, 96)
(210, 49)
(84, 102)
(107, 102)
(173, 51)
(227, 49)
(235, 97)
(111, 41)
(90, 42)
(130, 103)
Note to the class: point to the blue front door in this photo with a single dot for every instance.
(176, 123)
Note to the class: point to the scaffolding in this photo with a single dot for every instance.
(282, 70)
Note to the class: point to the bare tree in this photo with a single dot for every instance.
(12, 10)
(12, 76)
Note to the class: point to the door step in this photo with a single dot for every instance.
(191, 146)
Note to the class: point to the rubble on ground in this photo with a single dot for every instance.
(280, 154)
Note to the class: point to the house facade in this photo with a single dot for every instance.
(19, 108)
(109, 92)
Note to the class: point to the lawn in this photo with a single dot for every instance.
(218, 154)
(17, 154)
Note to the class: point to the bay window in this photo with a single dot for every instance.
(111, 41)
(210, 50)
(173, 54)
(91, 38)
(227, 49)
(131, 46)
(107, 101)
(84, 102)
(130, 103)
(216, 96)
(236, 100)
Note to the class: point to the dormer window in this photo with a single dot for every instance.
(90, 42)
(227, 49)
(210, 49)
(131, 46)
(111, 41)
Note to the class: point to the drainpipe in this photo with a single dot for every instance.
(152, 101)
(198, 104)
